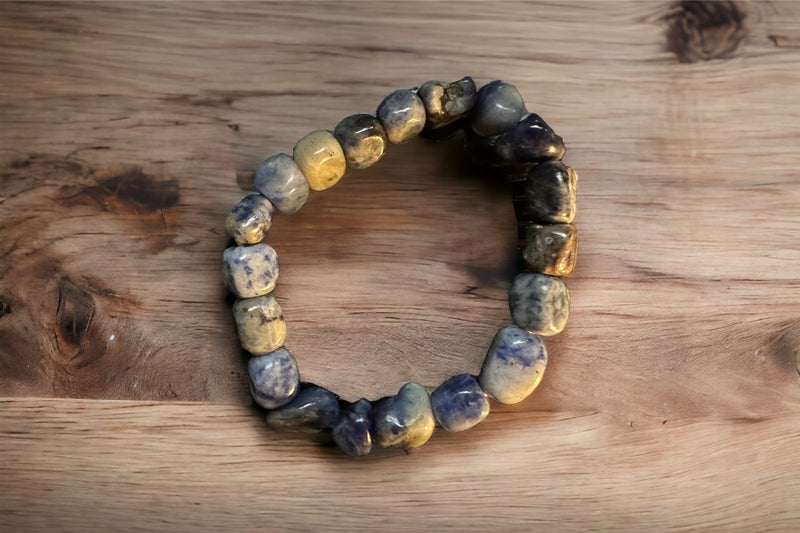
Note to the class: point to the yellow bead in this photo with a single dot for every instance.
(260, 324)
(319, 155)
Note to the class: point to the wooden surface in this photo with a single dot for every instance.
(672, 400)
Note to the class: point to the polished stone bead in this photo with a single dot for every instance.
(319, 155)
(249, 220)
(551, 193)
(514, 365)
(250, 271)
(362, 138)
(352, 432)
(402, 114)
(404, 420)
(539, 303)
(551, 250)
(446, 102)
(531, 140)
(311, 411)
(274, 378)
(280, 179)
(459, 403)
(498, 108)
(260, 324)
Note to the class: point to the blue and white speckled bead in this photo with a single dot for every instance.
(250, 271)
(352, 432)
(402, 114)
(404, 420)
(274, 378)
(539, 303)
(459, 403)
(514, 365)
(280, 179)
(249, 220)
(311, 411)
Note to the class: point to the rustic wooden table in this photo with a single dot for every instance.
(672, 400)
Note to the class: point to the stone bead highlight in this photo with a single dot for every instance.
(352, 432)
(514, 365)
(319, 155)
(539, 303)
(447, 102)
(551, 250)
(405, 420)
(282, 182)
(274, 378)
(498, 108)
(250, 271)
(260, 324)
(402, 114)
(311, 411)
(551, 193)
(459, 403)
(362, 138)
(531, 140)
(249, 220)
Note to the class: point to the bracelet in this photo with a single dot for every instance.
(501, 136)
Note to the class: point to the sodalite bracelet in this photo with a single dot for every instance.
(501, 135)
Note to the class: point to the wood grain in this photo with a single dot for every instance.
(672, 398)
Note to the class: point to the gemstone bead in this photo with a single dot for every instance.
(498, 108)
(551, 250)
(551, 193)
(531, 140)
(402, 114)
(404, 420)
(514, 365)
(352, 432)
(447, 102)
(312, 410)
(539, 303)
(319, 155)
(260, 324)
(274, 378)
(459, 403)
(249, 220)
(280, 179)
(362, 138)
(250, 271)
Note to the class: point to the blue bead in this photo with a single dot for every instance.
(404, 420)
(312, 410)
(352, 432)
(274, 378)
(514, 365)
(499, 106)
(459, 403)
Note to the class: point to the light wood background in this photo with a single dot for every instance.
(672, 401)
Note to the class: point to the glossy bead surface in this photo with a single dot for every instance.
(459, 403)
(551, 193)
(531, 140)
(311, 411)
(402, 114)
(249, 220)
(404, 420)
(319, 155)
(362, 138)
(514, 365)
(498, 108)
(274, 378)
(551, 250)
(539, 303)
(260, 324)
(250, 271)
(352, 432)
(280, 179)
(447, 102)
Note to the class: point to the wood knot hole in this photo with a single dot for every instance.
(701, 31)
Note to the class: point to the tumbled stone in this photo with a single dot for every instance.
(531, 140)
(362, 138)
(319, 155)
(551, 193)
(498, 108)
(274, 378)
(250, 271)
(446, 102)
(352, 432)
(402, 114)
(280, 179)
(249, 220)
(459, 403)
(551, 250)
(260, 324)
(539, 303)
(311, 411)
(404, 420)
(514, 365)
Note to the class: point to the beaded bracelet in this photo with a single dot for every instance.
(500, 135)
